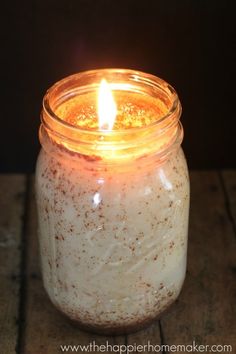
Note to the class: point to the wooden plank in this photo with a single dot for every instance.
(149, 335)
(46, 329)
(206, 309)
(229, 180)
(12, 190)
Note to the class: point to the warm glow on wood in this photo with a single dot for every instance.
(106, 107)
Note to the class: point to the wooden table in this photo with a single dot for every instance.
(205, 310)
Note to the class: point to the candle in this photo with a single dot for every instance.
(113, 198)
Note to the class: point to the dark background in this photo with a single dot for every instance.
(191, 44)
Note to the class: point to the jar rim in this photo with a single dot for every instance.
(158, 137)
(139, 76)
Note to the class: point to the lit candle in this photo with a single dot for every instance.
(113, 198)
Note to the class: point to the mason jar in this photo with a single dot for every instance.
(112, 205)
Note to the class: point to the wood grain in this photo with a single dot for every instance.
(229, 181)
(206, 309)
(149, 335)
(12, 190)
(46, 329)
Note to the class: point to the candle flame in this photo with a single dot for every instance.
(106, 107)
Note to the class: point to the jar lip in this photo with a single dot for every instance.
(137, 76)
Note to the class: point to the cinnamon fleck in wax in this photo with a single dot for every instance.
(81, 111)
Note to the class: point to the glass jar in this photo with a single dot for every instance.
(112, 205)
